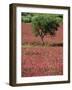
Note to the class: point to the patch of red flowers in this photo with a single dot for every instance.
(48, 61)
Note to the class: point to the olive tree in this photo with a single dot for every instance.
(45, 24)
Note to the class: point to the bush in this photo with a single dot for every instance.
(26, 19)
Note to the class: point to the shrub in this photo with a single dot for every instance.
(26, 19)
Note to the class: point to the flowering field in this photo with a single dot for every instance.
(40, 60)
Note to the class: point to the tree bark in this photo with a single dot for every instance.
(42, 40)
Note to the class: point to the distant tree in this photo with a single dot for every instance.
(45, 24)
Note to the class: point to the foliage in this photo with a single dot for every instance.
(26, 18)
(45, 24)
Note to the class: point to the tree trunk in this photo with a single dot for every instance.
(42, 41)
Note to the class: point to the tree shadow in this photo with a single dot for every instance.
(56, 45)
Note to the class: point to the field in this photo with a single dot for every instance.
(38, 60)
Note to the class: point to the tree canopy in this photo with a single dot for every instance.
(45, 24)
